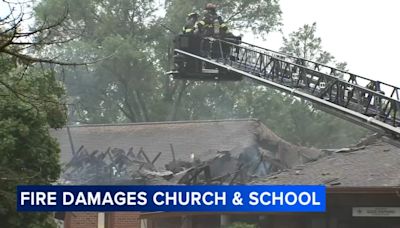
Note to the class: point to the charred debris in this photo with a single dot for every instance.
(266, 154)
(118, 166)
(240, 165)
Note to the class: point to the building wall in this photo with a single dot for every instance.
(81, 220)
(338, 215)
(123, 220)
(110, 220)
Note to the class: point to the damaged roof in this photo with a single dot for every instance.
(187, 137)
(373, 165)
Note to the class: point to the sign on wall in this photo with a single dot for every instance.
(376, 211)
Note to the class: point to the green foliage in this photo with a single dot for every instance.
(29, 106)
(306, 44)
(310, 126)
(260, 17)
(130, 86)
(291, 118)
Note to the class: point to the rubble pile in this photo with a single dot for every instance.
(260, 153)
(117, 166)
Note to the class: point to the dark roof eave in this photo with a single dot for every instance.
(363, 190)
(329, 190)
(161, 214)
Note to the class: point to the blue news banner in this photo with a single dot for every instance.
(208, 198)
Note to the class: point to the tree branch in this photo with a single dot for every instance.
(28, 59)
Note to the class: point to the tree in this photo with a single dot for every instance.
(260, 17)
(20, 43)
(31, 102)
(311, 126)
(304, 43)
(131, 86)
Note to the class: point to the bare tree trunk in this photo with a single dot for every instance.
(128, 113)
(177, 100)
(142, 105)
(130, 105)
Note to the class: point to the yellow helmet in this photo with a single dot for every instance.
(193, 14)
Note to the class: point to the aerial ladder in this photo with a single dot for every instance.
(369, 103)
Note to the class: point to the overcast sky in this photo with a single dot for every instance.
(364, 33)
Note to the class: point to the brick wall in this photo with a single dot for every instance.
(113, 220)
(123, 220)
(81, 220)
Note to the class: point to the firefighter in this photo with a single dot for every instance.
(191, 21)
(211, 24)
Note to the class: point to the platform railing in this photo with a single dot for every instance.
(297, 74)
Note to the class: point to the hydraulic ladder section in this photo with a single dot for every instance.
(346, 95)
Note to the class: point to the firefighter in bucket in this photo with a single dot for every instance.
(211, 25)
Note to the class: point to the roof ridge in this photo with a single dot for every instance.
(166, 122)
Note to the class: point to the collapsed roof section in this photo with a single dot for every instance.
(199, 139)
(372, 163)
(201, 152)
(186, 137)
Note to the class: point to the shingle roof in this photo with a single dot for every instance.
(187, 137)
(376, 165)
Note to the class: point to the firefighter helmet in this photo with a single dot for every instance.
(210, 6)
(193, 14)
